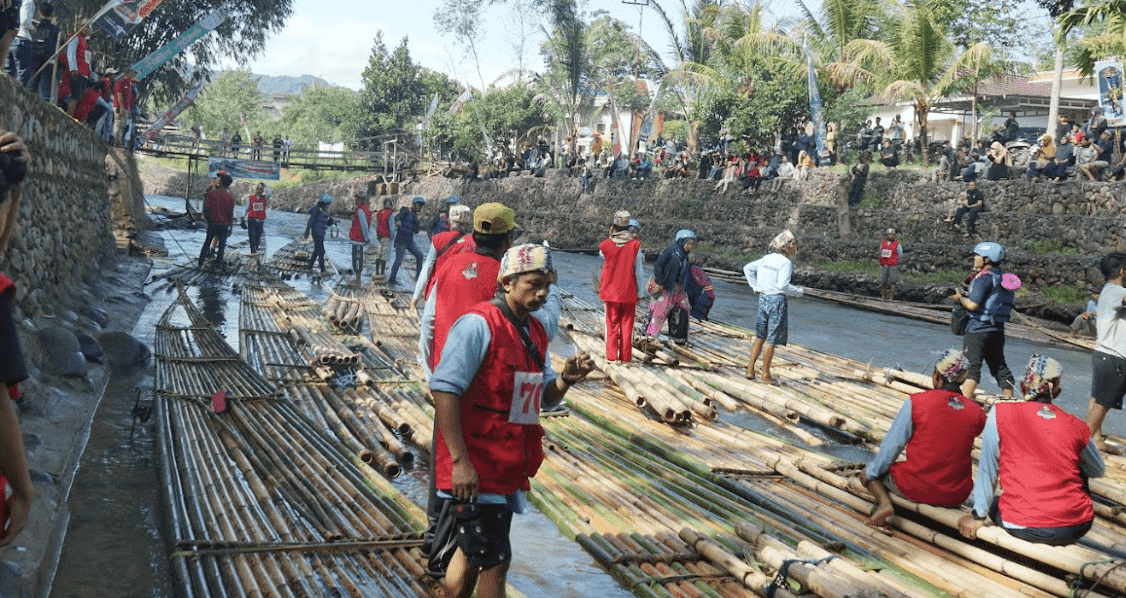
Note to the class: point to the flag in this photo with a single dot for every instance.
(461, 100)
(125, 15)
(150, 63)
(172, 113)
(815, 106)
(646, 130)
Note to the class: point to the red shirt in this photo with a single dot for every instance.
(219, 207)
(257, 207)
(464, 281)
(937, 471)
(619, 282)
(1038, 465)
(504, 454)
(123, 96)
(383, 223)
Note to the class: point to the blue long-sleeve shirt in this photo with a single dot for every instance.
(894, 442)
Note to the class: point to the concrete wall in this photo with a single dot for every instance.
(65, 228)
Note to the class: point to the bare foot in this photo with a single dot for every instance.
(749, 374)
(880, 515)
(766, 379)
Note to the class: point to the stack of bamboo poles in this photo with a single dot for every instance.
(394, 326)
(293, 260)
(262, 503)
(345, 309)
(263, 344)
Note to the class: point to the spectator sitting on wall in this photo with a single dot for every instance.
(889, 156)
(1105, 149)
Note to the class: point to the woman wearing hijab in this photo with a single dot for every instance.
(670, 277)
(1000, 162)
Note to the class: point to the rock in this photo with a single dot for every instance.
(42, 477)
(89, 347)
(122, 349)
(63, 355)
(11, 579)
(98, 316)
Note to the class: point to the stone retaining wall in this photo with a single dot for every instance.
(65, 229)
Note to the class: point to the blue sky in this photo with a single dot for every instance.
(332, 39)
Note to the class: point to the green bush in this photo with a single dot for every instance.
(1049, 246)
(1065, 294)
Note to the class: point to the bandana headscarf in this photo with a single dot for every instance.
(621, 220)
(1042, 378)
(783, 239)
(525, 258)
(952, 365)
(1001, 153)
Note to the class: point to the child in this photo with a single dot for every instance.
(769, 278)
(621, 286)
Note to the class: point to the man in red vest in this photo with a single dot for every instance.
(623, 278)
(256, 215)
(383, 234)
(891, 250)
(443, 246)
(360, 234)
(494, 375)
(937, 428)
(1043, 457)
(124, 101)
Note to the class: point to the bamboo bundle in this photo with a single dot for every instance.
(293, 259)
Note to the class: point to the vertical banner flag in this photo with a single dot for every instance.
(1109, 71)
(127, 14)
(172, 113)
(815, 105)
(150, 63)
(646, 130)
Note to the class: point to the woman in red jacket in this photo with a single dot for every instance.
(621, 283)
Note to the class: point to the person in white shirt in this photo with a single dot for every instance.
(769, 278)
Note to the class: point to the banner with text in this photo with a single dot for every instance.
(150, 63)
(172, 113)
(1109, 71)
(126, 15)
(244, 169)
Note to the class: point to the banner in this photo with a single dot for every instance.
(150, 63)
(1109, 71)
(127, 14)
(244, 169)
(465, 97)
(646, 130)
(172, 113)
(815, 107)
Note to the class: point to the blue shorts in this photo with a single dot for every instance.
(773, 319)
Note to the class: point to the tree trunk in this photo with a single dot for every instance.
(1057, 84)
(921, 111)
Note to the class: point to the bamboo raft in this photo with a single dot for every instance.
(292, 260)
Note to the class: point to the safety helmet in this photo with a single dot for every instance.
(268, 192)
(419, 199)
(325, 198)
(633, 223)
(453, 199)
(684, 233)
(991, 250)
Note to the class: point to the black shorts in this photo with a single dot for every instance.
(1108, 379)
(480, 531)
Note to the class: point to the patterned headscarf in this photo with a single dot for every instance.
(952, 365)
(621, 218)
(1042, 378)
(525, 258)
(783, 239)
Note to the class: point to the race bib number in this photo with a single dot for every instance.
(257, 206)
(885, 253)
(527, 392)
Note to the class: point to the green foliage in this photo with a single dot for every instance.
(863, 266)
(1003, 24)
(511, 116)
(321, 114)
(1065, 294)
(220, 105)
(950, 276)
(874, 199)
(396, 94)
(1049, 246)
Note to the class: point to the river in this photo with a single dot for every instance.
(116, 545)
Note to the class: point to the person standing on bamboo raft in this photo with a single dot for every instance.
(1043, 457)
(621, 283)
(670, 276)
(891, 251)
(1108, 375)
(493, 375)
(443, 246)
(937, 428)
(989, 302)
(769, 277)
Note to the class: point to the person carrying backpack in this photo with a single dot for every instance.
(989, 302)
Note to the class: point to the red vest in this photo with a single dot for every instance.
(440, 240)
(889, 256)
(465, 280)
(937, 470)
(220, 207)
(504, 454)
(1039, 465)
(257, 209)
(619, 283)
(357, 232)
(383, 223)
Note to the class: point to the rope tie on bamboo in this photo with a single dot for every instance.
(781, 578)
(1078, 581)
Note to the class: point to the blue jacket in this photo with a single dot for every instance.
(671, 268)
(407, 223)
(319, 221)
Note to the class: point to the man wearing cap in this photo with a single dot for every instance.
(318, 224)
(989, 302)
(1042, 457)
(891, 250)
(219, 213)
(769, 278)
(406, 225)
(359, 236)
(494, 375)
(937, 428)
(443, 246)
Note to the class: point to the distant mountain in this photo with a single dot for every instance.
(269, 86)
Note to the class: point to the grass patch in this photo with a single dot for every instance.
(1049, 246)
(860, 266)
(950, 276)
(721, 252)
(1065, 294)
(875, 200)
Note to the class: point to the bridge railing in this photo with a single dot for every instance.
(295, 156)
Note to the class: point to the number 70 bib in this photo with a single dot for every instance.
(527, 393)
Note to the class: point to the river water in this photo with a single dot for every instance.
(116, 546)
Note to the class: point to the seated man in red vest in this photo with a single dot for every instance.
(490, 383)
(937, 428)
(1042, 456)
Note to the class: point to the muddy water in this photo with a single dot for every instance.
(115, 544)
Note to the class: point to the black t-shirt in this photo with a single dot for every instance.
(13, 369)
